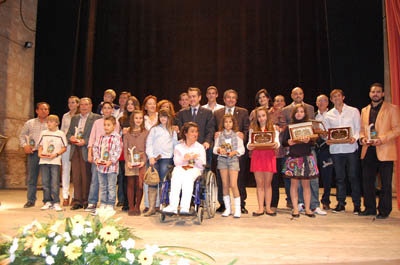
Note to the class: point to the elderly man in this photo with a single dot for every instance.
(345, 155)
(242, 117)
(78, 136)
(381, 121)
(29, 140)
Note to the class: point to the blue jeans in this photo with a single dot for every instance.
(349, 162)
(94, 186)
(121, 176)
(314, 188)
(162, 168)
(50, 183)
(33, 173)
(108, 186)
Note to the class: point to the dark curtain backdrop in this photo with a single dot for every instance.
(163, 47)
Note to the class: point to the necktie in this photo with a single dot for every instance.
(194, 114)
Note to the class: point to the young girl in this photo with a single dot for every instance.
(149, 109)
(300, 164)
(135, 140)
(73, 105)
(131, 104)
(160, 145)
(263, 162)
(229, 146)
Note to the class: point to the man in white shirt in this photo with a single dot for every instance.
(325, 163)
(345, 156)
(212, 95)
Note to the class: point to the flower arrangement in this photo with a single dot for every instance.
(88, 240)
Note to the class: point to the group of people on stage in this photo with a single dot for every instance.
(120, 142)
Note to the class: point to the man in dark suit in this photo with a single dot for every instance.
(78, 135)
(202, 116)
(242, 117)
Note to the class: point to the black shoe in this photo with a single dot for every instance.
(29, 204)
(120, 204)
(367, 213)
(76, 206)
(339, 209)
(382, 216)
(221, 209)
(296, 215)
(125, 208)
(356, 210)
(244, 210)
(311, 215)
(271, 214)
(257, 214)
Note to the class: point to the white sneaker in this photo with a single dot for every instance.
(301, 207)
(57, 207)
(169, 209)
(319, 211)
(47, 206)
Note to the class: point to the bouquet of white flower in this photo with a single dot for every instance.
(82, 240)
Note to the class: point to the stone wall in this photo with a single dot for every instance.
(16, 86)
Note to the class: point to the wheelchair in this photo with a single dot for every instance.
(204, 196)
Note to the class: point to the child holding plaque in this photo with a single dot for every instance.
(135, 157)
(52, 144)
(229, 146)
(106, 152)
(263, 162)
(300, 164)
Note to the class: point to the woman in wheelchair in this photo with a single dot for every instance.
(189, 158)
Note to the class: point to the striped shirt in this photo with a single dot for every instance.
(113, 145)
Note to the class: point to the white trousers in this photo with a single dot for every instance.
(66, 172)
(182, 180)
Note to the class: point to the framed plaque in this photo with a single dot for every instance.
(340, 135)
(318, 127)
(262, 140)
(300, 130)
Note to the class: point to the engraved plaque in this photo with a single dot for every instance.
(301, 130)
(262, 140)
(340, 135)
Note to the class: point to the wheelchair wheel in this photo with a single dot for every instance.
(211, 194)
(200, 215)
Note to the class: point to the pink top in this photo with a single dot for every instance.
(98, 130)
(181, 149)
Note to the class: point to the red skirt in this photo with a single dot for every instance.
(263, 160)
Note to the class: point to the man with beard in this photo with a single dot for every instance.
(381, 121)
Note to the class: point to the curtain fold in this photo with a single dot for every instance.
(393, 29)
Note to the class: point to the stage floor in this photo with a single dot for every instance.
(336, 238)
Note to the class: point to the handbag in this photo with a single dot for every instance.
(151, 176)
